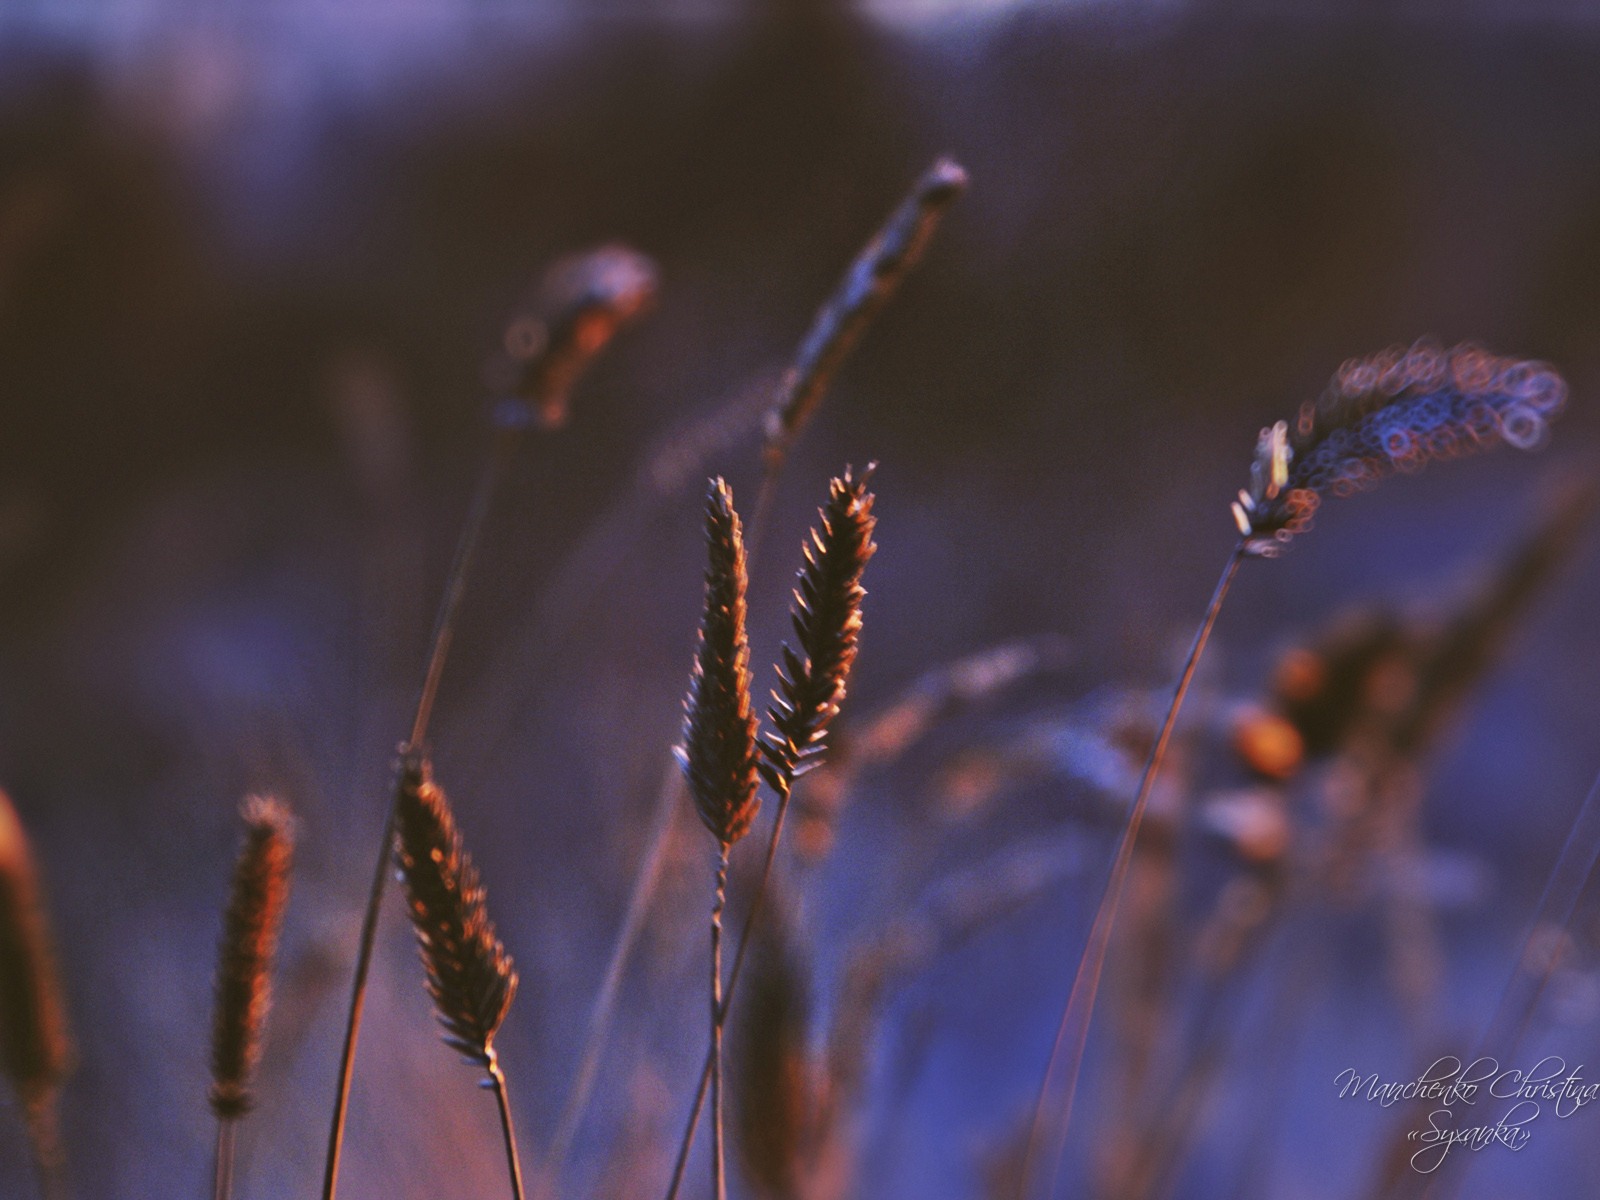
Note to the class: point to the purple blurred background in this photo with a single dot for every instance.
(251, 264)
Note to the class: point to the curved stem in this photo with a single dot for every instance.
(506, 440)
(497, 1082)
(1072, 1036)
(222, 1180)
(505, 443)
(745, 930)
(719, 1187)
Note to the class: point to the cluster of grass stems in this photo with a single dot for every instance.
(1394, 411)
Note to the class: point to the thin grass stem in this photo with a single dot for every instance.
(669, 799)
(501, 451)
(1072, 1036)
(222, 1180)
(497, 1084)
(719, 1186)
(506, 441)
(708, 1069)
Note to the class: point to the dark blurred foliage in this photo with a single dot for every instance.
(251, 268)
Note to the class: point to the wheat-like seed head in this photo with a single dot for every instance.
(718, 754)
(469, 975)
(244, 964)
(35, 1047)
(872, 279)
(1394, 411)
(827, 624)
(583, 302)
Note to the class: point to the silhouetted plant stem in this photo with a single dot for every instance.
(708, 1069)
(719, 1186)
(508, 1131)
(222, 1185)
(501, 451)
(506, 441)
(1072, 1036)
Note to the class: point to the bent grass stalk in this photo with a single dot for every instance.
(827, 622)
(1073, 1033)
(256, 904)
(590, 298)
(1393, 411)
(838, 326)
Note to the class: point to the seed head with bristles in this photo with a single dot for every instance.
(872, 279)
(718, 754)
(1394, 411)
(827, 625)
(469, 975)
(583, 302)
(244, 965)
(35, 1048)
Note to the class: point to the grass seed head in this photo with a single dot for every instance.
(826, 616)
(249, 939)
(718, 754)
(469, 974)
(1396, 410)
(583, 302)
(868, 285)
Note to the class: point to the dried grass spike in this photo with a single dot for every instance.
(1396, 410)
(244, 965)
(718, 754)
(865, 289)
(470, 977)
(583, 301)
(827, 623)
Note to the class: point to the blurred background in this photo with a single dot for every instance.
(253, 260)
